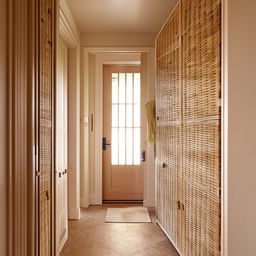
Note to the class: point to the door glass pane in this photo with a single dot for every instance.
(129, 88)
(126, 118)
(136, 115)
(121, 115)
(114, 115)
(114, 88)
(121, 88)
(129, 115)
(137, 88)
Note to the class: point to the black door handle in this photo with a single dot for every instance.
(104, 143)
(143, 156)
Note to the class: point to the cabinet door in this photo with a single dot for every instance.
(46, 127)
(168, 89)
(168, 159)
(201, 59)
(201, 183)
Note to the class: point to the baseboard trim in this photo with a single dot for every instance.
(84, 203)
(168, 237)
(74, 214)
(148, 203)
(122, 202)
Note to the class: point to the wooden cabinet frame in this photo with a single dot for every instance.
(23, 46)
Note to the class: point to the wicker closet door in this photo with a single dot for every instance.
(168, 107)
(201, 72)
(201, 59)
(168, 160)
(46, 121)
(188, 95)
(201, 183)
(168, 89)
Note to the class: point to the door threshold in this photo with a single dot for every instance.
(123, 202)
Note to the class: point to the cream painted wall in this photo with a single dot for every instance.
(3, 126)
(118, 39)
(241, 95)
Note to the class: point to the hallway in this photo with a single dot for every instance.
(92, 236)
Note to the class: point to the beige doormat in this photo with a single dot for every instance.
(128, 215)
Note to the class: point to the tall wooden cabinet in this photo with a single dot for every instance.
(188, 92)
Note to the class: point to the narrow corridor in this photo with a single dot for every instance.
(91, 236)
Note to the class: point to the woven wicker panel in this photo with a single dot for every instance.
(201, 183)
(201, 57)
(45, 127)
(168, 72)
(169, 153)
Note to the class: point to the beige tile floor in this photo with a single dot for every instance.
(91, 236)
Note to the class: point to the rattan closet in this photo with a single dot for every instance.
(45, 115)
(188, 96)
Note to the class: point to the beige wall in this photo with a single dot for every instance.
(118, 39)
(3, 127)
(241, 127)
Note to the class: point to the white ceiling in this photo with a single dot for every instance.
(121, 15)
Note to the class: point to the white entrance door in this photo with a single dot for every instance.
(61, 146)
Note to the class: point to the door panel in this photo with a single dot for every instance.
(46, 127)
(168, 189)
(62, 145)
(201, 183)
(122, 166)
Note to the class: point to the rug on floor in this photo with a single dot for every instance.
(128, 215)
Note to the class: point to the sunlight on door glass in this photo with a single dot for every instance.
(126, 118)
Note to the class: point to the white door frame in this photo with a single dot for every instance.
(69, 33)
(104, 56)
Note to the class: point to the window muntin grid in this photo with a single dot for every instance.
(126, 119)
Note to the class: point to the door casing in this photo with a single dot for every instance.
(128, 190)
(120, 56)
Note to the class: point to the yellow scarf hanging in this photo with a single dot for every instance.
(151, 115)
